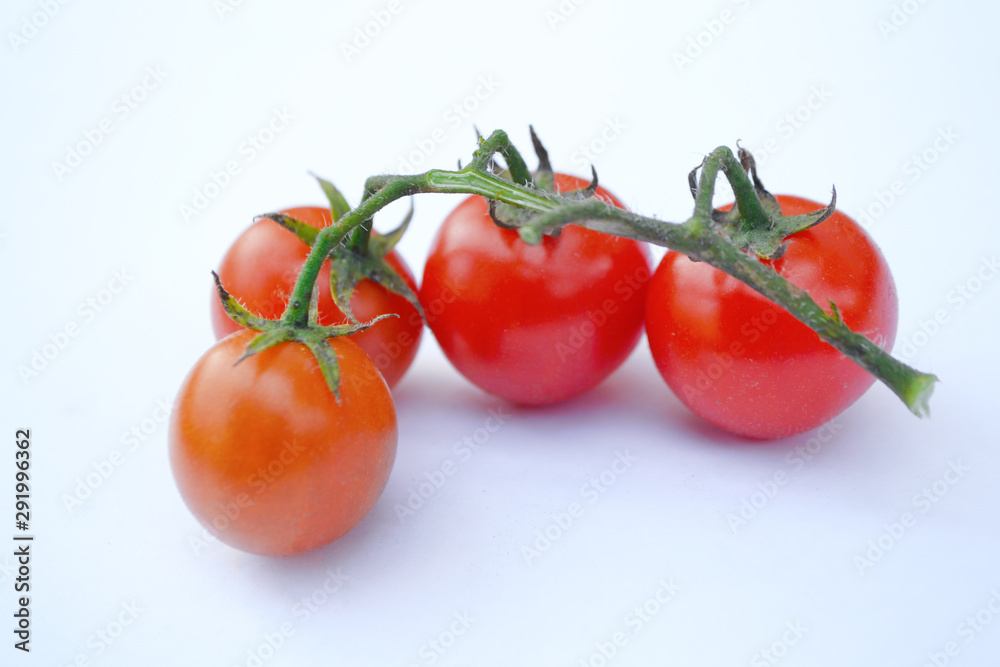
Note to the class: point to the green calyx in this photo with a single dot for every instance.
(354, 255)
(525, 220)
(311, 334)
(360, 256)
(755, 222)
(352, 260)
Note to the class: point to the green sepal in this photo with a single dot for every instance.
(315, 338)
(770, 243)
(544, 178)
(532, 225)
(755, 222)
(516, 168)
(530, 235)
(338, 330)
(348, 268)
(587, 192)
(305, 232)
(506, 216)
(338, 203)
(267, 339)
(326, 358)
(236, 311)
(381, 245)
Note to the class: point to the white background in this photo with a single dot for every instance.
(886, 97)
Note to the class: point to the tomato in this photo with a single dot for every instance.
(260, 269)
(264, 456)
(533, 324)
(745, 364)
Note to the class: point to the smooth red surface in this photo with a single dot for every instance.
(533, 324)
(260, 269)
(745, 364)
(264, 456)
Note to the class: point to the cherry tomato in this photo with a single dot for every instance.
(260, 269)
(533, 324)
(264, 456)
(745, 364)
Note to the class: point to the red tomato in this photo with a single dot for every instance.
(260, 269)
(264, 456)
(745, 364)
(533, 324)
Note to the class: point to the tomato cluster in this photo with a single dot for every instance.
(273, 462)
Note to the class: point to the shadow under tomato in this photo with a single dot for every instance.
(301, 574)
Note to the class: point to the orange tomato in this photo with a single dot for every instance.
(266, 458)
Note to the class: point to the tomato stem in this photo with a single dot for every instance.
(747, 202)
(698, 238)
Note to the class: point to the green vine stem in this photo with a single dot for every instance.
(698, 238)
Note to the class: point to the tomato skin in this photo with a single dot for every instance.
(745, 364)
(513, 318)
(260, 269)
(264, 456)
